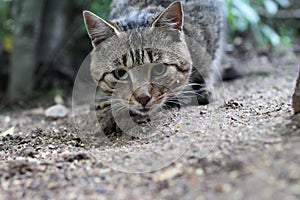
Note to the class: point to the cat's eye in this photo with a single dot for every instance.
(159, 70)
(121, 74)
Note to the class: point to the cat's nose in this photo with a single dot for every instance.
(143, 99)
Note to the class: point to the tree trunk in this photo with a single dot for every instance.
(60, 24)
(41, 35)
(56, 21)
(27, 15)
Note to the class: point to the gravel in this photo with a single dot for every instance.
(245, 146)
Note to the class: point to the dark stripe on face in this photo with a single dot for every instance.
(143, 56)
(178, 67)
(103, 76)
(124, 60)
(109, 85)
(105, 88)
(106, 82)
(137, 57)
(150, 55)
(132, 56)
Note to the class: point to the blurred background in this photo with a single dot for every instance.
(44, 42)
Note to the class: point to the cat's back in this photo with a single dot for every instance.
(203, 18)
(193, 9)
(121, 7)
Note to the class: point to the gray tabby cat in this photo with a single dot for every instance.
(153, 53)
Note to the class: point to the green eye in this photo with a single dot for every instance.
(159, 70)
(121, 74)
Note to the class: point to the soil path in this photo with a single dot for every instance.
(253, 142)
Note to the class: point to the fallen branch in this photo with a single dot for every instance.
(296, 97)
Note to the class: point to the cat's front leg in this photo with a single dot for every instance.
(105, 116)
(200, 89)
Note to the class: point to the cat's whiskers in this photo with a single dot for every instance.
(186, 94)
(119, 108)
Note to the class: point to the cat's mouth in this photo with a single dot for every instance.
(151, 107)
(144, 110)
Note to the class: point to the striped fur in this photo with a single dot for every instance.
(146, 37)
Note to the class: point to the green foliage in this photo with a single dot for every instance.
(245, 15)
(99, 7)
(102, 7)
(6, 23)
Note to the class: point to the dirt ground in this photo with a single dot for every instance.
(243, 147)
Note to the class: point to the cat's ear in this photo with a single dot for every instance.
(171, 17)
(98, 28)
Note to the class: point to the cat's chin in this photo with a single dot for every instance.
(144, 111)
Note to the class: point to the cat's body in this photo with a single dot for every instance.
(203, 19)
(151, 50)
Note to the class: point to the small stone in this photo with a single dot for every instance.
(7, 119)
(57, 111)
(219, 189)
(199, 172)
(5, 186)
(28, 152)
(234, 174)
(226, 188)
(167, 174)
(51, 146)
(105, 171)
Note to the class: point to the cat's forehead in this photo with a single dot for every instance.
(139, 43)
(144, 37)
(145, 56)
(137, 57)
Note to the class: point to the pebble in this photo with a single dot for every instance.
(226, 188)
(167, 174)
(57, 111)
(28, 152)
(199, 172)
(7, 119)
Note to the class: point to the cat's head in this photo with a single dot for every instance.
(143, 67)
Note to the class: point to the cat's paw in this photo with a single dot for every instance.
(102, 104)
(105, 117)
(204, 97)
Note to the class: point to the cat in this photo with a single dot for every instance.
(152, 54)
